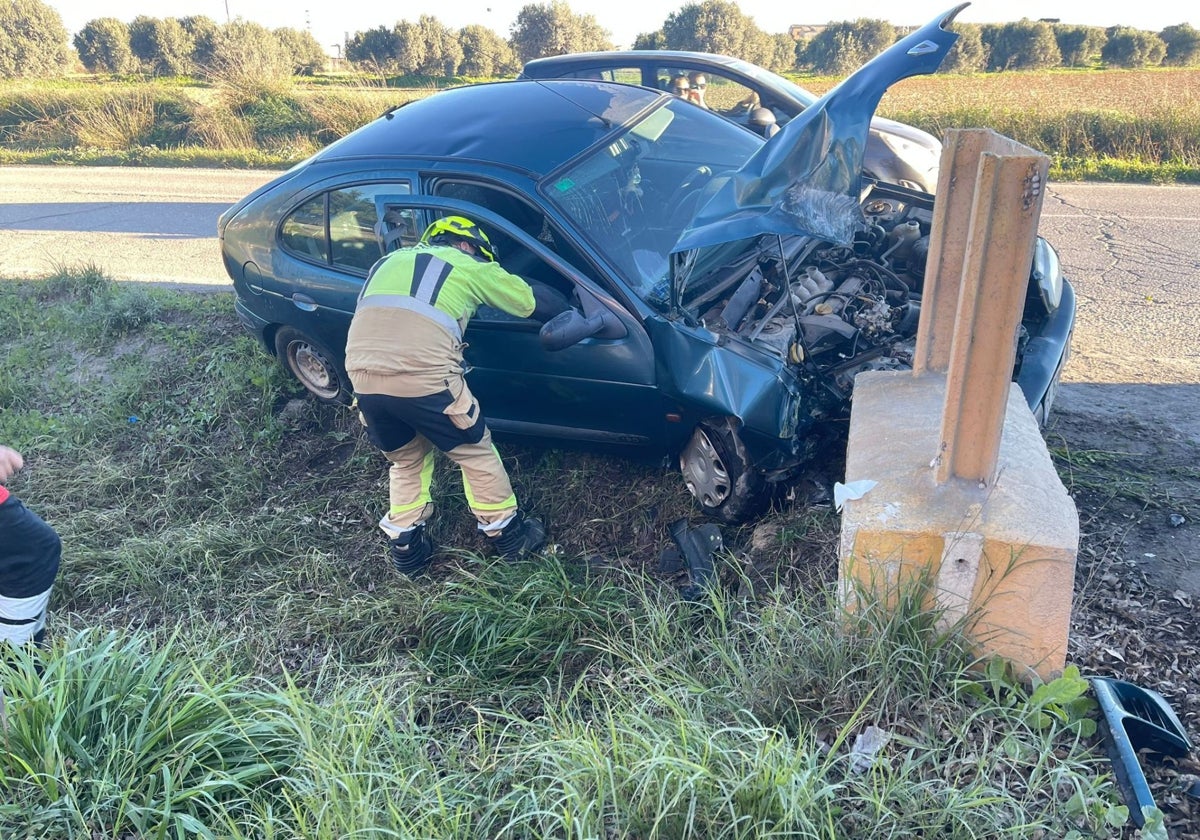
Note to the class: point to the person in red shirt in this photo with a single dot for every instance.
(30, 551)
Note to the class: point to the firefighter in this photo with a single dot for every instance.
(30, 551)
(404, 356)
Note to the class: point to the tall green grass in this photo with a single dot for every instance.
(1109, 125)
(232, 656)
(145, 122)
(152, 734)
(113, 734)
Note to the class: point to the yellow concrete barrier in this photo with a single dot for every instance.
(965, 492)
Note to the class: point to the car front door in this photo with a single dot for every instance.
(600, 390)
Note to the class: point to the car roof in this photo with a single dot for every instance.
(614, 56)
(782, 90)
(530, 125)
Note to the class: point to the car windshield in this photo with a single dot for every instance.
(631, 197)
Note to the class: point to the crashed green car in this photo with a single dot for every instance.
(724, 290)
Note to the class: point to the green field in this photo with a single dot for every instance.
(1127, 125)
(233, 656)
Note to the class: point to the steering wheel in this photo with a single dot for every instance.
(687, 194)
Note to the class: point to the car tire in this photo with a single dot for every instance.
(719, 475)
(311, 363)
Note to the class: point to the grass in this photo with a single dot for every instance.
(233, 657)
(1111, 125)
(1126, 475)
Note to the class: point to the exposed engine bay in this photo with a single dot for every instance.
(835, 309)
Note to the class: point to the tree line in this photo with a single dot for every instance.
(1022, 45)
(34, 43)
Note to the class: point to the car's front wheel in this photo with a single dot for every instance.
(718, 473)
(313, 365)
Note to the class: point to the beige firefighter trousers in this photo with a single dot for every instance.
(409, 429)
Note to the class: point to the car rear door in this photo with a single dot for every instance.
(328, 239)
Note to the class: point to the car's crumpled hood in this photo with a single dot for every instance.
(806, 179)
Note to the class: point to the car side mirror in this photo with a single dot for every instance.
(571, 327)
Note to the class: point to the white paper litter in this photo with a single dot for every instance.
(854, 490)
(866, 747)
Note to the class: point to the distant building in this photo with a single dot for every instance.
(805, 31)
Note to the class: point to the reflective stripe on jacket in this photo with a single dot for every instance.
(446, 285)
(30, 552)
(406, 335)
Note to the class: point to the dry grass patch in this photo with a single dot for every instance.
(1143, 118)
(1114, 125)
(1047, 92)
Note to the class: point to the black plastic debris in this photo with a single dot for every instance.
(694, 549)
(1192, 787)
(1136, 718)
(670, 562)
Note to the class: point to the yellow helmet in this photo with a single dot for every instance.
(459, 228)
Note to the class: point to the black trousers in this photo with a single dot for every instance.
(30, 551)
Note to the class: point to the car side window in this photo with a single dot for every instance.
(514, 256)
(511, 254)
(348, 227)
(397, 227)
(303, 231)
(728, 97)
(624, 75)
(355, 225)
(718, 93)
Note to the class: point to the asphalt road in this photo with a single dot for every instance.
(155, 225)
(1132, 252)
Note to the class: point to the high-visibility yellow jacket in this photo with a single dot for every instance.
(406, 334)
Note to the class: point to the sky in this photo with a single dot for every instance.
(331, 20)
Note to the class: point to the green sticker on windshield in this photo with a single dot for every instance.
(564, 185)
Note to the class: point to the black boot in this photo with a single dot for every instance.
(522, 535)
(412, 552)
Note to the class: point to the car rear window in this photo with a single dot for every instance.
(343, 227)
(303, 231)
(623, 75)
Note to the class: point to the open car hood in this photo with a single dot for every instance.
(807, 178)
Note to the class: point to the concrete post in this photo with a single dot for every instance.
(965, 494)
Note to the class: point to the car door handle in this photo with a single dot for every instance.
(304, 302)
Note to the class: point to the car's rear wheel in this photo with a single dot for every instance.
(718, 473)
(313, 365)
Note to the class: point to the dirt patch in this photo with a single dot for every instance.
(1130, 455)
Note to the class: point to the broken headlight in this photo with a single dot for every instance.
(1048, 274)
